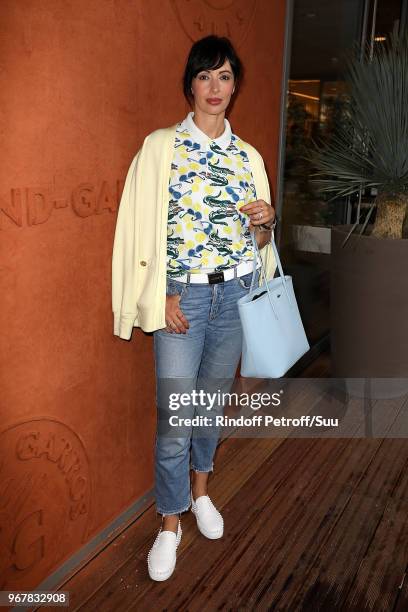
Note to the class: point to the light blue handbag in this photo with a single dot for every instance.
(274, 338)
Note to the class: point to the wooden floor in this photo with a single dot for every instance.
(310, 524)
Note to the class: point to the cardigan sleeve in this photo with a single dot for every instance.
(263, 192)
(124, 305)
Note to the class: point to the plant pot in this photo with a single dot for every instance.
(368, 305)
(311, 238)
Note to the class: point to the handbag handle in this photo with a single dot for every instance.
(278, 261)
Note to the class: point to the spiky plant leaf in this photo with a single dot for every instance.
(370, 147)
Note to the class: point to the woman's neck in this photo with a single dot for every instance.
(212, 125)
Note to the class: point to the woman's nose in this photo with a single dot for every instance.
(214, 86)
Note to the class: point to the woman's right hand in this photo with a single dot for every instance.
(176, 322)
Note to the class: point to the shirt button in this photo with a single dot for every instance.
(143, 263)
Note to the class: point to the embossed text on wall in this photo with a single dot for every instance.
(45, 499)
(34, 205)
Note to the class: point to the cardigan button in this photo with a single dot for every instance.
(143, 263)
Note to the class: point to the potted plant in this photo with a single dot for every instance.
(369, 149)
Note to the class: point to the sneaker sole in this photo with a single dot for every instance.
(159, 577)
(208, 534)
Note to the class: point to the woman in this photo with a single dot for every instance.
(183, 255)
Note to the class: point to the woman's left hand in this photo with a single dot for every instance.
(259, 212)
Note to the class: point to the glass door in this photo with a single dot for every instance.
(319, 33)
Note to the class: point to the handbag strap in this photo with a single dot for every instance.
(278, 261)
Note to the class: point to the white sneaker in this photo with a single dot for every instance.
(161, 559)
(209, 520)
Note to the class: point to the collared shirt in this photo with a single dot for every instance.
(210, 180)
(139, 247)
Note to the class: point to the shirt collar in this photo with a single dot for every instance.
(222, 141)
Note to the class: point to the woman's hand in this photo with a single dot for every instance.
(259, 213)
(175, 320)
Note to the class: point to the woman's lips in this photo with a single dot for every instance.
(214, 100)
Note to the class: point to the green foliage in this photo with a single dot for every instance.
(369, 146)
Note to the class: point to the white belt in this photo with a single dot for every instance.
(218, 277)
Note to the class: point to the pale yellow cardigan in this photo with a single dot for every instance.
(139, 257)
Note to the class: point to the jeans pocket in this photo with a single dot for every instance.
(175, 287)
(245, 280)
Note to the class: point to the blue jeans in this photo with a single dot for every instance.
(205, 359)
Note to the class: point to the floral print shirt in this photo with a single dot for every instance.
(210, 180)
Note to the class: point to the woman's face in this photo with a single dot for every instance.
(212, 89)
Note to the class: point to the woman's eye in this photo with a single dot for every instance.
(224, 77)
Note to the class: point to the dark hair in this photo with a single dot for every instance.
(210, 53)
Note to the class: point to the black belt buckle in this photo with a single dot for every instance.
(215, 277)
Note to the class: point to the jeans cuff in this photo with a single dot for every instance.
(211, 469)
(173, 511)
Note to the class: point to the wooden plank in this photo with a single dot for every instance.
(381, 574)
(402, 597)
(340, 555)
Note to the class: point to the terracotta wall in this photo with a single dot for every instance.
(82, 83)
